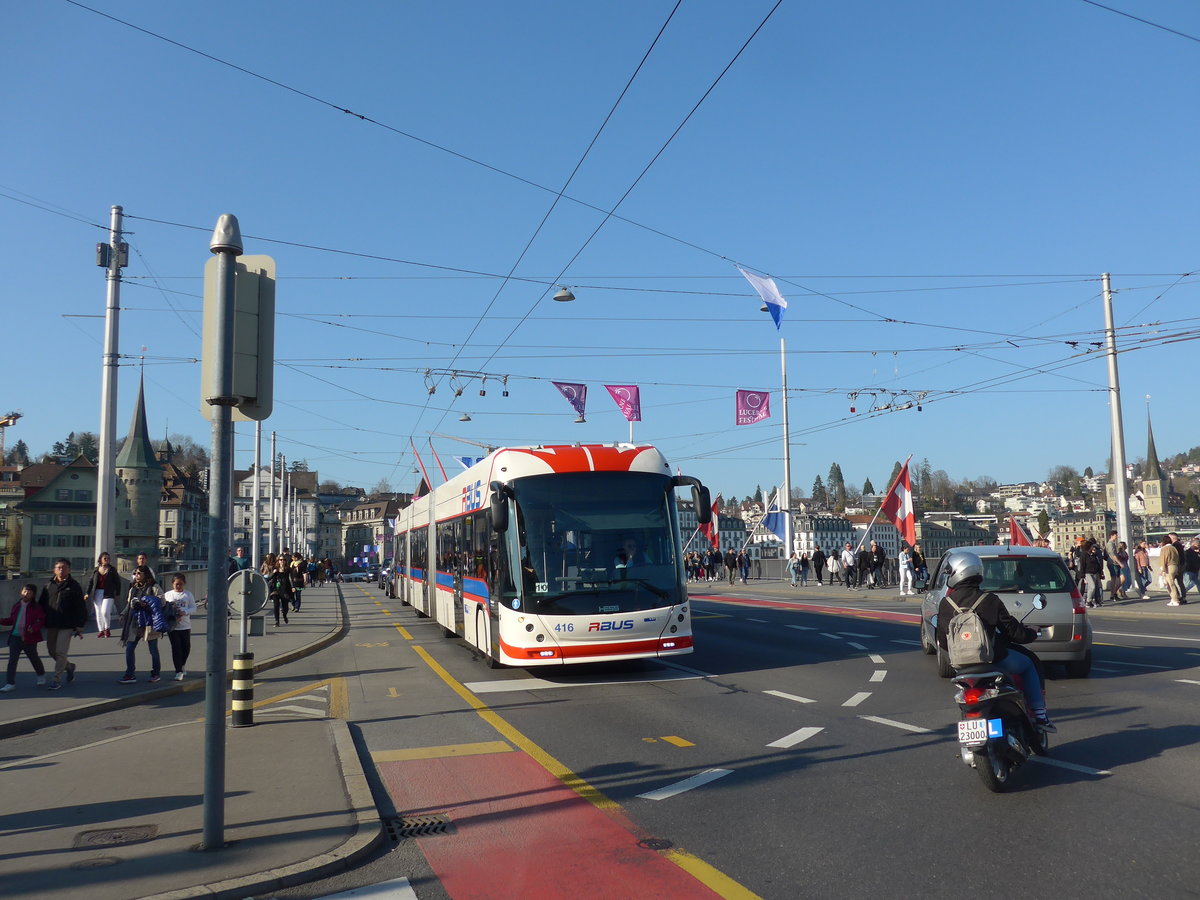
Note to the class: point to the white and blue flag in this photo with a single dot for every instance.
(765, 285)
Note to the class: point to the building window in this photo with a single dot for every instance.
(41, 540)
(61, 540)
(82, 540)
(83, 496)
(167, 533)
(41, 519)
(41, 563)
(83, 521)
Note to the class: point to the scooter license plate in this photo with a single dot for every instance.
(978, 731)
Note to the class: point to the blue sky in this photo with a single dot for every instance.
(935, 186)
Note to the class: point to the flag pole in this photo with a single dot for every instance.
(886, 494)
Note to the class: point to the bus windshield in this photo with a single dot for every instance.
(596, 542)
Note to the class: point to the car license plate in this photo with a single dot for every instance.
(977, 731)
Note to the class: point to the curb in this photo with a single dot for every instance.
(45, 720)
(367, 836)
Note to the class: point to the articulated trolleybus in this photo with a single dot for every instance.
(551, 555)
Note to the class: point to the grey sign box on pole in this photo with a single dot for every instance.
(253, 338)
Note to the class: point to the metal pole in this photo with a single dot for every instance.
(256, 526)
(271, 514)
(1117, 475)
(786, 506)
(227, 244)
(106, 476)
(285, 541)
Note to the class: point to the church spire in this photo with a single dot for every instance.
(1153, 469)
(137, 451)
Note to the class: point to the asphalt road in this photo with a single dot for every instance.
(795, 753)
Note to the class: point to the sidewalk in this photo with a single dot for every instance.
(121, 817)
(1154, 605)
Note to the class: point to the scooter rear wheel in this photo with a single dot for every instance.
(993, 769)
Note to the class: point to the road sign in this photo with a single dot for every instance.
(253, 338)
(248, 589)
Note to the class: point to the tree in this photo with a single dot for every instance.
(383, 486)
(1192, 502)
(18, 455)
(868, 488)
(1043, 523)
(1088, 473)
(299, 465)
(922, 483)
(1063, 474)
(819, 497)
(329, 487)
(835, 486)
(896, 471)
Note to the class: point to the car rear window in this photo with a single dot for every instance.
(1024, 574)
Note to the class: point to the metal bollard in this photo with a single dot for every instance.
(243, 690)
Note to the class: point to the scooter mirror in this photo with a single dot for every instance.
(1039, 601)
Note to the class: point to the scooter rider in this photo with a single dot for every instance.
(966, 575)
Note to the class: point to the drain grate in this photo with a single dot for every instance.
(654, 843)
(399, 828)
(114, 837)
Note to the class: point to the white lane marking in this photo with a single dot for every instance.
(1102, 669)
(907, 643)
(832, 637)
(879, 675)
(396, 889)
(857, 698)
(856, 646)
(914, 728)
(789, 696)
(802, 627)
(1114, 662)
(275, 709)
(759, 621)
(686, 785)
(690, 671)
(539, 684)
(1186, 681)
(853, 634)
(1155, 637)
(1074, 767)
(796, 737)
(876, 658)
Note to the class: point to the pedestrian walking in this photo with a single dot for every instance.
(1171, 560)
(297, 572)
(878, 561)
(743, 564)
(793, 567)
(804, 566)
(835, 568)
(23, 635)
(848, 560)
(920, 567)
(1125, 579)
(1143, 575)
(144, 619)
(1112, 564)
(61, 600)
(907, 572)
(731, 561)
(1191, 567)
(1091, 567)
(863, 565)
(818, 563)
(181, 601)
(279, 589)
(103, 587)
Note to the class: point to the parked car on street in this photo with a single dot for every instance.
(1016, 574)
(355, 576)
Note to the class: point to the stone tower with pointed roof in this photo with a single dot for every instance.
(1155, 488)
(139, 490)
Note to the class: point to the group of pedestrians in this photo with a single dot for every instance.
(58, 613)
(287, 576)
(712, 565)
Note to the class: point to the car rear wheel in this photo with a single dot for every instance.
(1081, 668)
(944, 669)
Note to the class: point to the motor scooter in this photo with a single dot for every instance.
(997, 732)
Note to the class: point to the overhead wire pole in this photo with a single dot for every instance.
(1117, 475)
(255, 516)
(271, 531)
(112, 256)
(786, 506)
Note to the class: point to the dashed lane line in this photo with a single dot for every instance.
(679, 787)
(1074, 767)
(916, 729)
(876, 658)
(879, 675)
(857, 698)
(796, 737)
(792, 697)
(856, 646)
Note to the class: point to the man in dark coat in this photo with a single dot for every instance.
(66, 616)
(818, 561)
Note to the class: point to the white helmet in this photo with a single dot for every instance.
(963, 564)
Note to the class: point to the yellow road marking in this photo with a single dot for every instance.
(403, 631)
(441, 752)
(379, 603)
(339, 699)
(392, 692)
(678, 741)
(697, 868)
(376, 644)
(386, 612)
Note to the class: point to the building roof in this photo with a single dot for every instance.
(1154, 471)
(138, 452)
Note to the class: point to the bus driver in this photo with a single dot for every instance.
(630, 555)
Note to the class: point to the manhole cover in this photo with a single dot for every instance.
(113, 837)
(97, 862)
(655, 844)
(418, 826)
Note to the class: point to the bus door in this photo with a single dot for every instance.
(461, 562)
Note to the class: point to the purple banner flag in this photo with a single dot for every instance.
(576, 394)
(752, 406)
(629, 400)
